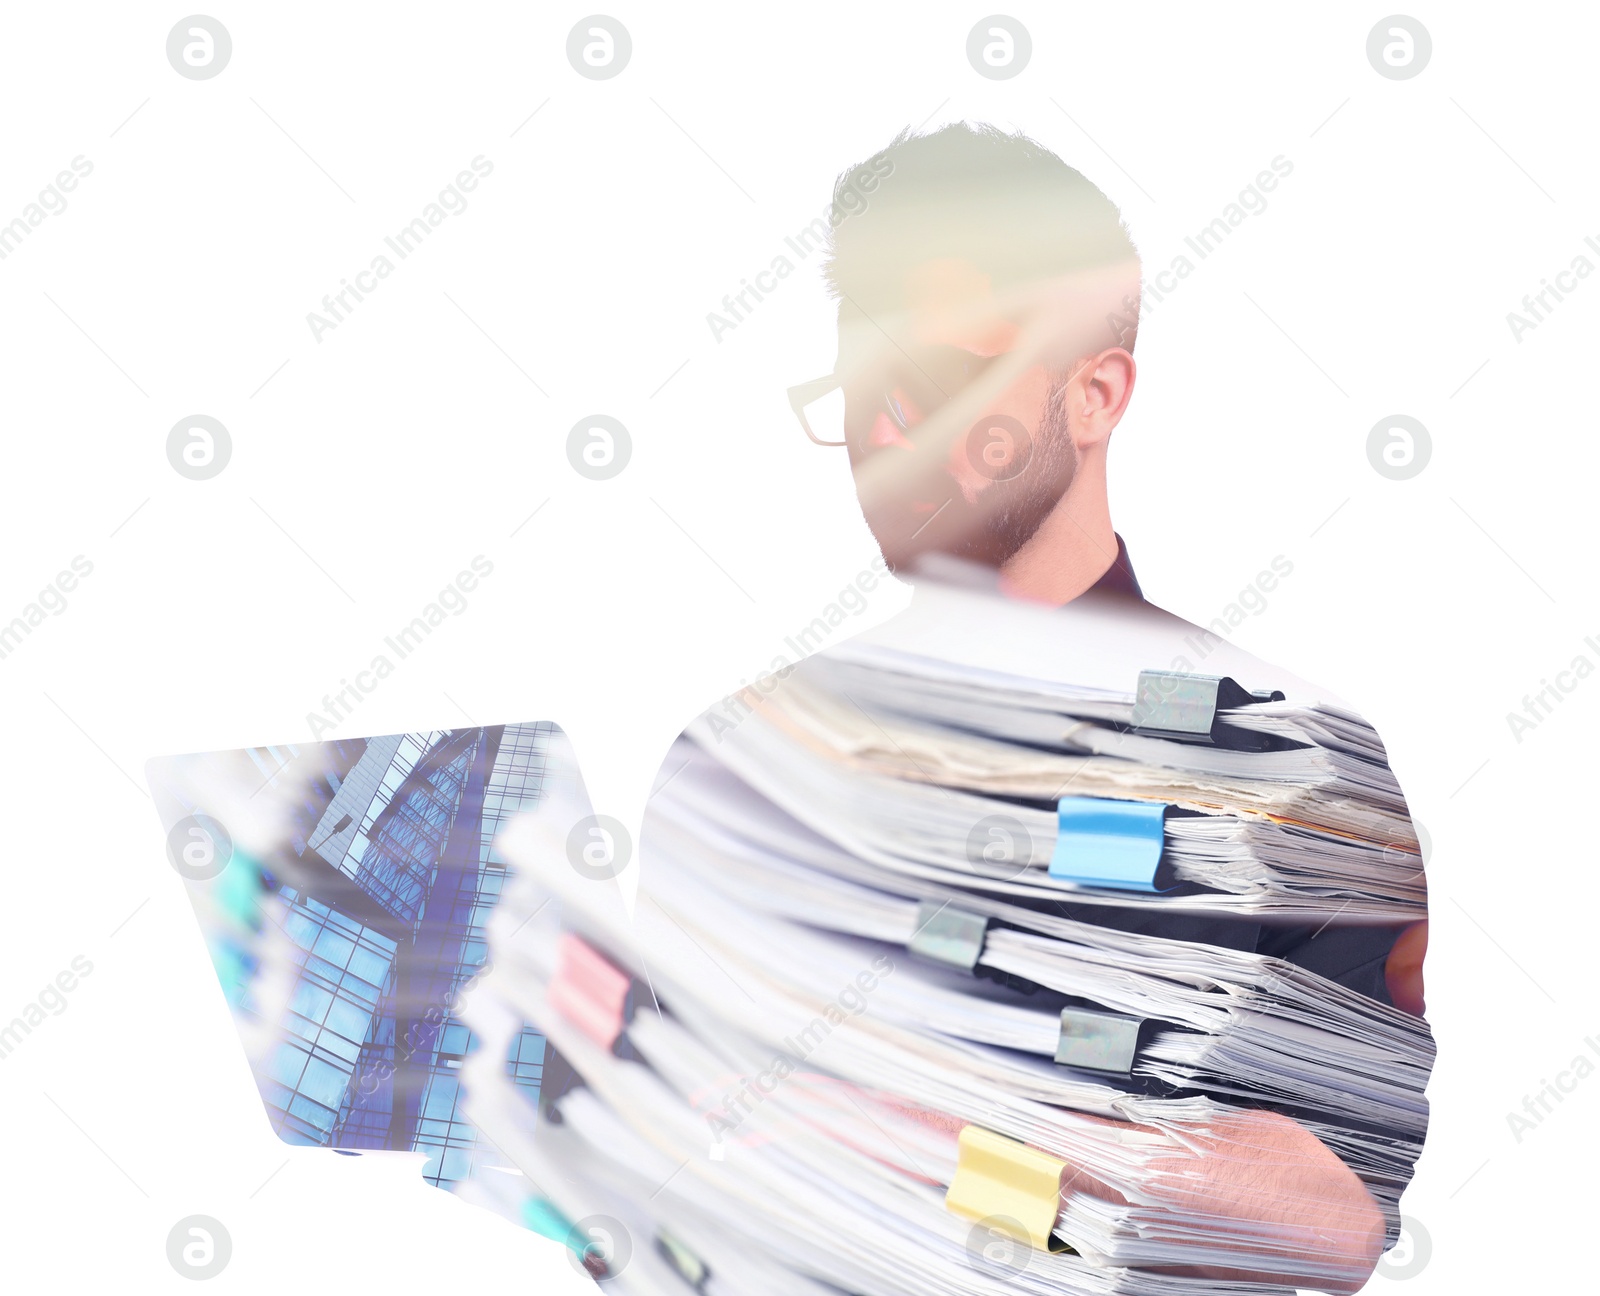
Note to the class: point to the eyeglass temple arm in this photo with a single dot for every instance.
(803, 394)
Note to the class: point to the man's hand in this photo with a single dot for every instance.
(1261, 1168)
(1403, 972)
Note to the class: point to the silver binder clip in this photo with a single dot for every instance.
(1095, 1040)
(948, 935)
(1171, 704)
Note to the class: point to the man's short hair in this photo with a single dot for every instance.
(1003, 202)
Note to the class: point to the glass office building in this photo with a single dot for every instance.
(344, 944)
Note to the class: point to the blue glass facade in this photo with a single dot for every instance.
(345, 946)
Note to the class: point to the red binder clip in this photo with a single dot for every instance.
(590, 991)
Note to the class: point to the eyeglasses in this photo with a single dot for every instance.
(929, 378)
(819, 405)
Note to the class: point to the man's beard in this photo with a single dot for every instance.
(1021, 504)
(1005, 515)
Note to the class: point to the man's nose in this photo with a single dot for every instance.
(884, 432)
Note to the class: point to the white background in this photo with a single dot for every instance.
(374, 463)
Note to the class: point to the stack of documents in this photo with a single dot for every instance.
(948, 977)
(1314, 828)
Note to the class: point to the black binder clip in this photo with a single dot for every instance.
(684, 1262)
(1171, 704)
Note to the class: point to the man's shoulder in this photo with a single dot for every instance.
(1100, 640)
(1175, 644)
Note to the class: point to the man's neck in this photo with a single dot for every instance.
(1073, 548)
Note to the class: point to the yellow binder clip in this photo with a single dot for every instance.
(1013, 1188)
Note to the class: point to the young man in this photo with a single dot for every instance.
(988, 309)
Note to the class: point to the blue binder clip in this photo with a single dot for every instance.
(1105, 843)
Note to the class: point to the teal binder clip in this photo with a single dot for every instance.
(1105, 843)
(544, 1219)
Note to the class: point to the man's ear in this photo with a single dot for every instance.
(1098, 395)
